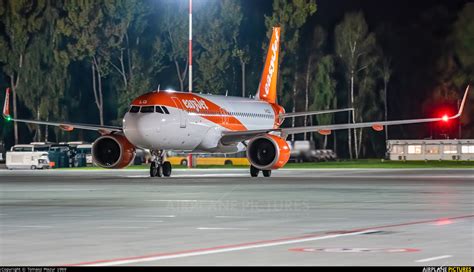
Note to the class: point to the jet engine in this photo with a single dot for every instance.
(113, 151)
(268, 152)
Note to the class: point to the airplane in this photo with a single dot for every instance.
(166, 120)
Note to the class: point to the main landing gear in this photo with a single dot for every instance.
(159, 167)
(254, 171)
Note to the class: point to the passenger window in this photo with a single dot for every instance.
(147, 109)
(159, 109)
(134, 109)
(165, 110)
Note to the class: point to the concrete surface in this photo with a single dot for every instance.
(222, 217)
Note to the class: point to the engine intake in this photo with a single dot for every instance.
(113, 151)
(268, 152)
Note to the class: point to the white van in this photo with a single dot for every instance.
(27, 157)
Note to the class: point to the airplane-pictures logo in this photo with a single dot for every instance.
(272, 62)
(195, 104)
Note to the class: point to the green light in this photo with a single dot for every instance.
(8, 118)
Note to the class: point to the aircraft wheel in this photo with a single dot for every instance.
(153, 169)
(254, 171)
(167, 169)
(267, 173)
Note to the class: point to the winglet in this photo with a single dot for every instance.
(463, 102)
(6, 106)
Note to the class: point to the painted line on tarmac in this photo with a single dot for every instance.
(217, 228)
(26, 226)
(156, 216)
(136, 221)
(118, 227)
(70, 215)
(212, 250)
(51, 190)
(232, 217)
(410, 176)
(433, 258)
(250, 245)
(178, 200)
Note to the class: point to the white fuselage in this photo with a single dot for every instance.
(195, 122)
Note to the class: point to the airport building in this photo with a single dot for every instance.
(418, 150)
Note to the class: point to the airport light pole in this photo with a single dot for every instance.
(190, 54)
(190, 62)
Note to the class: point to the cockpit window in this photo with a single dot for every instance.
(147, 109)
(165, 110)
(159, 109)
(134, 109)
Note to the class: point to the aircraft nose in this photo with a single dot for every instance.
(140, 128)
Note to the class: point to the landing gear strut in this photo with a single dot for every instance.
(254, 171)
(159, 167)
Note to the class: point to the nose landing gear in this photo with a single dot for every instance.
(254, 171)
(159, 167)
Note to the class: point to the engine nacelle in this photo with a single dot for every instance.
(268, 152)
(113, 151)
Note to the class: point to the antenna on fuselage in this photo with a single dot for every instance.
(226, 92)
(158, 89)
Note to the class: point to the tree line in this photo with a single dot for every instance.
(60, 57)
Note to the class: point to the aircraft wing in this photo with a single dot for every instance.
(63, 125)
(230, 137)
(307, 113)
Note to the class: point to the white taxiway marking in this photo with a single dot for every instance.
(434, 258)
(397, 177)
(211, 175)
(115, 227)
(231, 216)
(156, 216)
(137, 221)
(26, 226)
(228, 249)
(70, 215)
(192, 176)
(180, 200)
(50, 190)
(210, 228)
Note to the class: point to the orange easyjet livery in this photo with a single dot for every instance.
(167, 120)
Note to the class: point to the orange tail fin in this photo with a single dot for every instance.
(267, 89)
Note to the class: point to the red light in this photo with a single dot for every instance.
(443, 221)
(445, 118)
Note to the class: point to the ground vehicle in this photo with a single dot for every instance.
(323, 155)
(425, 150)
(62, 155)
(304, 151)
(83, 151)
(27, 157)
(207, 159)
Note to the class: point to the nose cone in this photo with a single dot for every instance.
(140, 129)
